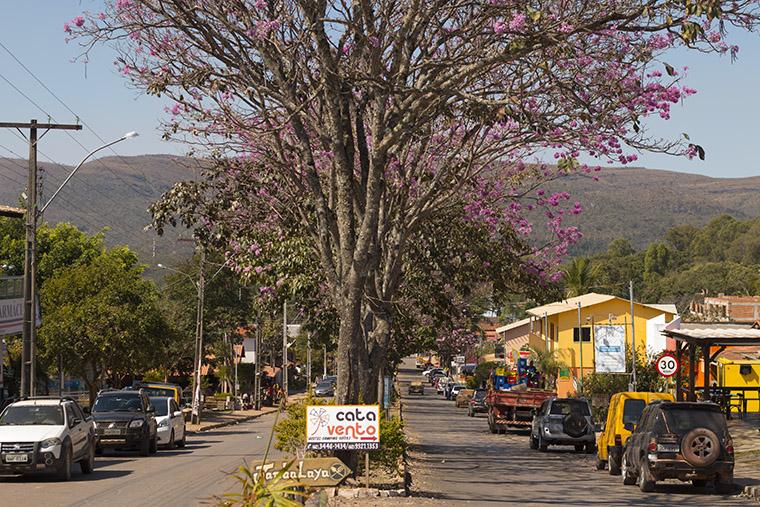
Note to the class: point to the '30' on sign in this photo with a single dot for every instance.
(667, 365)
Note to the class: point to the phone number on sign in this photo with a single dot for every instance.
(339, 446)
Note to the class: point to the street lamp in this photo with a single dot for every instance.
(30, 271)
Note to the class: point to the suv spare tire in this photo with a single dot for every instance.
(574, 425)
(700, 447)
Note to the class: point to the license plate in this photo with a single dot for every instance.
(668, 448)
(112, 431)
(16, 458)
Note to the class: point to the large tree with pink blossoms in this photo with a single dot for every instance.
(354, 123)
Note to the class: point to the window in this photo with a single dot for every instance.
(43, 415)
(174, 406)
(551, 331)
(70, 416)
(632, 410)
(566, 407)
(585, 332)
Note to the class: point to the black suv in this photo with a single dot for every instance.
(125, 420)
(680, 440)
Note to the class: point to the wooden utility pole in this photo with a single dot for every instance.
(28, 351)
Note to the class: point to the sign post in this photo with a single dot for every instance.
(667, 365)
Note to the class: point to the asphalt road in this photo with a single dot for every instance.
(457, 461)
(183, 477)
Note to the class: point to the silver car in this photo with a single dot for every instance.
(563, 421)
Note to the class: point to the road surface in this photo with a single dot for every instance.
(181, 478)
(457, 461)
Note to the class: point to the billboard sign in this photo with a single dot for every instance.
(343, 427)
(609, 349)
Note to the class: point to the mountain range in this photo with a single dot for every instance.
(638, 203)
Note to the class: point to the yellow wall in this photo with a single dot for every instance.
(570, 352)
(729, 375)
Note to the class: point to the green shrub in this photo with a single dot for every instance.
(392, 443)
(290, 432)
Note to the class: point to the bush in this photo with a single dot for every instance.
(290, 432)
(392, 443)
(482, 372)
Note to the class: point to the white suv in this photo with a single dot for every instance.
(45, 434)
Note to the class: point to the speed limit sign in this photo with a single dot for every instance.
(667, 365)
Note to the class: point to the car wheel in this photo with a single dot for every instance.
(533, 442)
(698, 483)
(171, 445)
(145, 447)
(579, 447)
(613, 464)
(646, 483)
(600, 464)
(542, 445)
(628, 478)
(491, 425)
(64, 470)
(153, 445)
(98, 450)
(88, 462)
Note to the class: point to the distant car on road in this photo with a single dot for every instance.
(443, 386)
(477, 403)
(156, 389)
(125, 420)
(680, 440)
(452, 393)
(46, 435)
(170, 422)
(325, 388)
(429, 373)
(563, 421)
(462, 399)
(416, 387)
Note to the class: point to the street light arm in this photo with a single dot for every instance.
(179, 272)
(128, 135)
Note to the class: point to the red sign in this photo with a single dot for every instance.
(667, 365)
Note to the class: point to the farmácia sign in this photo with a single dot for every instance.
(343, 427)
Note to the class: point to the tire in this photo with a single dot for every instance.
(613, 464)
(64, 470)
(87, 464)
(574, 425)
(491, 425)
(646, 483)
(579, 447)
(600, 464)
(145, 447)
(542, 445)
(628, 478)
(98, 450)
(698, 483)
(153, 446)
(533, 442)
(700, 447)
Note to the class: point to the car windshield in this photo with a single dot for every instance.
(49, 415)
(324, 385)
(566, 407)
(118, 403)
(681, 420)
(161, 405)
(632, 410)
(164, 392)
(479, 395)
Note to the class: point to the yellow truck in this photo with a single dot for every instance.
(623, 415)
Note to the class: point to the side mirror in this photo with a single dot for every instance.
(75, 421)
(178, 413)
(630, 427)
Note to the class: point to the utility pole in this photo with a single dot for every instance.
(257, 368)
(324, 362)
(28, 367)
(197, 405)
(285, 350)
(308, 361)
(633, 337)
(580, 340)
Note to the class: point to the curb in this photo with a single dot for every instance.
(752, 492)
(228, 423)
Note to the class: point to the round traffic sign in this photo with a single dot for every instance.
(667, 365)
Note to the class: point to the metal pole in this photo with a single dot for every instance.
(257, 370)
(580, 346)
(308, 361)
(2, 367)
(196, 414)
(285, 350)
(633, 337)
(60, 375)
(546, 330)
(324, 362)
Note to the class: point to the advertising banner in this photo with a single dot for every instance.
(343, 427)
(609, 349)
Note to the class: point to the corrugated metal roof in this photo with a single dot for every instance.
(517, 343)
(513, 325)
(591, 299)
(716, 335)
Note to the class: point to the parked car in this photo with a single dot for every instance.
(680, 440)
(48, 435)
(160, 389)
(125, 420)
(444, 386)
(452, 393)
(513, 408)
(325, 388)
(435, 377)
(429, 373)
(622, 415)
(416, 387)
(170, 422)
(462, 399)
(477, 403)
(563, 421)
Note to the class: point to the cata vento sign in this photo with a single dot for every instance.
(343, 427)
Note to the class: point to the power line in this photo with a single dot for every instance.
(60, 101)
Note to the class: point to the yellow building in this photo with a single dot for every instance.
(742, 373)
(555, 326)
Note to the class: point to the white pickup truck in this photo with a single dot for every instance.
(46, 435)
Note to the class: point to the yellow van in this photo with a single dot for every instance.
(161, 389)
(623, 414)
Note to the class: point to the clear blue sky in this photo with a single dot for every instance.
(722, 117)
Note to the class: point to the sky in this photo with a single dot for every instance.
(721, 117)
